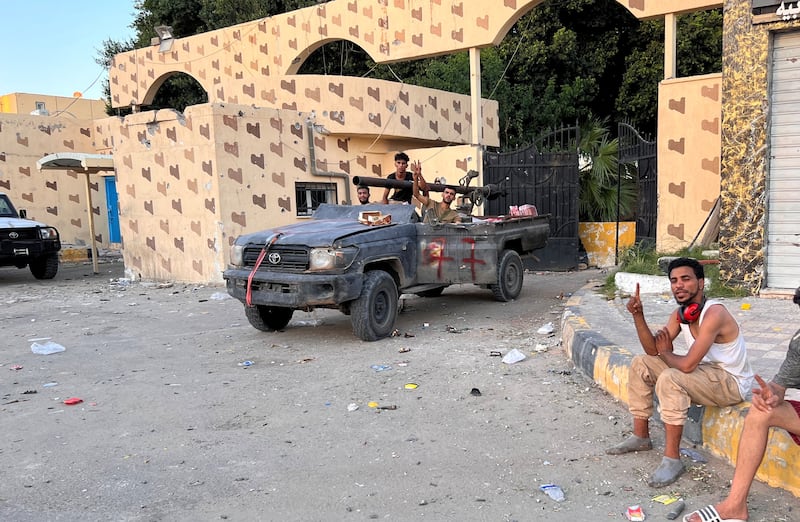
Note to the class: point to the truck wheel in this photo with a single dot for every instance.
(509, 277)
(374, 312)
(44, 267)
(433, 292)
(268, 318)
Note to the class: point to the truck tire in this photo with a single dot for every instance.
(509, 277)
(268, 318)
(44, 267)
(374, 312)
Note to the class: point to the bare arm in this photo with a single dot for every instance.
(385, 198)
(418, 181)
(646, 337)
(423, 185)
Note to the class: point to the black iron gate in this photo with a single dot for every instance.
(546, 175)
(641, 155)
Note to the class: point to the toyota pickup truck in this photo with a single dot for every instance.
(340, 259)
(24, 242)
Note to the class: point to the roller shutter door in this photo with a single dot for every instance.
(783, 180)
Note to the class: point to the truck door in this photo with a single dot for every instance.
(439, 252)
(478, 254)
(456, 253)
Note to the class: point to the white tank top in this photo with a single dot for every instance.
(731, 357)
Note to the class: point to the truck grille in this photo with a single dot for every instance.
(292, 259)
(21, 233)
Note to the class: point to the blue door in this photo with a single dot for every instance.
(113, 210)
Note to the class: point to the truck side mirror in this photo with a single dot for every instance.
(23, 214)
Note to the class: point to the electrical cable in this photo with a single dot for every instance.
(70, 104)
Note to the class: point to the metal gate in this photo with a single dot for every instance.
(544, 174)
(641, 155)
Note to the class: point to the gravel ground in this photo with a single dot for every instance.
(188, 413)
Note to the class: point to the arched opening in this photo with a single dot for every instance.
(337, 57)
(175, 90)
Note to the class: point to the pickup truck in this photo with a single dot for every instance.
(338, 259)
(24, 242)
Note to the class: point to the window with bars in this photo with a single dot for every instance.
(309, 196)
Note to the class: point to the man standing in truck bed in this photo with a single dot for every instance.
(432, 211)
(401, 195)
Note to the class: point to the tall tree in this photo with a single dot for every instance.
(699, 50)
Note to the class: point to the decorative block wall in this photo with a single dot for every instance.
(57, 198)
(745, 130)
(688, 157)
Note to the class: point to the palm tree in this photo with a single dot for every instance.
(607, 187)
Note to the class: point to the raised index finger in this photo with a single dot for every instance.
(637, 290)
(764, 387)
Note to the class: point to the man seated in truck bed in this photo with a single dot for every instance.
(432, 211)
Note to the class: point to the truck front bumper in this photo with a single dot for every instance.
(23, 251)
(297, 291)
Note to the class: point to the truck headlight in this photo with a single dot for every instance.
(331, 258)
(48, 233)
(237, 255)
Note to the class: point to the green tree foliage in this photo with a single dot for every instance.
(564, 61)
(699, 51)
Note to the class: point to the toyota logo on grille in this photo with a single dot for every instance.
(274, 258)
(13, 235)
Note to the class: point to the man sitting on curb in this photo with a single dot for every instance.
(769, 409)
(714, 372)
(431, 210)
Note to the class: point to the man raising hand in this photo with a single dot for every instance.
(714, 372)
(432, 211)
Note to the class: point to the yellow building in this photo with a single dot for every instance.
(45, 105)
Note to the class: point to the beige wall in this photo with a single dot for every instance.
(232, 63)
(644, 9)
(53, 197)
(190, 183)
(688, 157)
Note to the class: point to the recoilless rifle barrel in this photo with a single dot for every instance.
(400, 184)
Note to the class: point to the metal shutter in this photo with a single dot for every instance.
(783, 180)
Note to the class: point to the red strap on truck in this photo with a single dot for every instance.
(261, 256)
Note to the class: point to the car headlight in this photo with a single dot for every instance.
(237, 255)
(48, 233)
(331, 258)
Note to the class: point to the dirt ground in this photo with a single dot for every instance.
(188, 413)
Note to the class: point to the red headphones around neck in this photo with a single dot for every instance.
(690, 313)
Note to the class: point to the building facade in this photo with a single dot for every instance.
(271, 143)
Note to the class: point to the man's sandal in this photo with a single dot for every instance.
(709, 514)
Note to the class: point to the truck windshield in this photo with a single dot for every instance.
(6, 208)
(399, 213)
